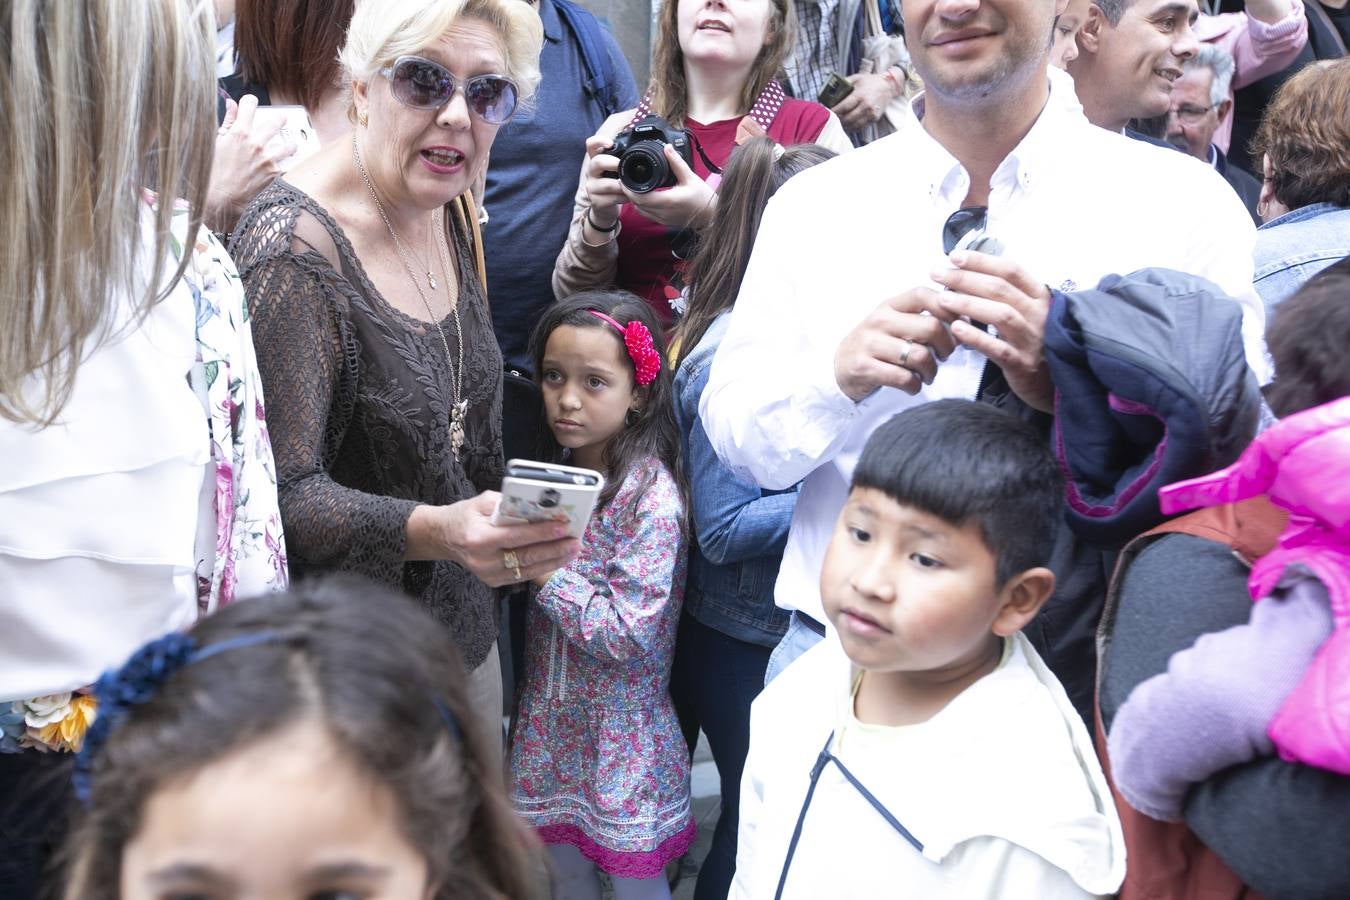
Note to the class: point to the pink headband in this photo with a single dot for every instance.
(638, 341)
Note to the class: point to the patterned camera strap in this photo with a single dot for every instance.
(764, 110)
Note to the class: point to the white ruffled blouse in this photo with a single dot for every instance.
(152, 499)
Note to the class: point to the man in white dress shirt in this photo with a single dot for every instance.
(843, 319)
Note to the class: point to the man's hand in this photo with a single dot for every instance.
(864, 105)
(998, 292)
(244, 164)
(895, 346)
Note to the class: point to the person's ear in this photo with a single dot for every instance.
(1223, 108)
(1022, 597)
(1267, 185)
(640, 396)
(1090, 35)
(361, 101)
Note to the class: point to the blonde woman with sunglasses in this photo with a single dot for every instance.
(363, 271)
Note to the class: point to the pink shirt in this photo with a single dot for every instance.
(1259, 49)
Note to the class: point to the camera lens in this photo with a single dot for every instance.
(549, 498)
(641, 169)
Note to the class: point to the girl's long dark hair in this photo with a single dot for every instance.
(751, 177)
(651, 432)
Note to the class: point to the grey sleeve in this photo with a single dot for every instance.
(1279, 826)
(1227, 687)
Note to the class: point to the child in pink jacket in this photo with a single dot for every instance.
(1281, 682)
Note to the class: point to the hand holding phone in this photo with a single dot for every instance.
(538, 492)
(836, 88)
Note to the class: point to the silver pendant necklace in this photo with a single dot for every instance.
(459, 404)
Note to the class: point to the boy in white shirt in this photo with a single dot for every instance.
(936, 755)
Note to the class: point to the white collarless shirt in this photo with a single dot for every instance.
(1071, 204)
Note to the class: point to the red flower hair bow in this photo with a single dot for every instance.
(637, 340)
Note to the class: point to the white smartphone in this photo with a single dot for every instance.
(296, 129)
(537, 492)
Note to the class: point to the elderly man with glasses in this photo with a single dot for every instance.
(855, 305)
(1200, 101)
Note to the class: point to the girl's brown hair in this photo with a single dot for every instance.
(386, 683)
(292, 45)
(1306, 133)
(755, 172)
(668, 87)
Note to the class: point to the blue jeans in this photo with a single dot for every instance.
(799, 638)
(714, 679)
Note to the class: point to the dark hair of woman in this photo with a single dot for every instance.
(291, 46)
(757, 169)
(652, 430)
(384, 681)
(1307, 339)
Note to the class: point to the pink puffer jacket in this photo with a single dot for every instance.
(1303, 465)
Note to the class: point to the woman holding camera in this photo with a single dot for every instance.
(712, 76)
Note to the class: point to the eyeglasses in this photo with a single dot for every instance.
(961, 223)
(1190, 114)
(423, 84)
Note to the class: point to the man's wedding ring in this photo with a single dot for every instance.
(904, 357)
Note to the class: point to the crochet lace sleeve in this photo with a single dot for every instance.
(307, 354)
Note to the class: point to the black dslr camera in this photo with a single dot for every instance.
(642, 161)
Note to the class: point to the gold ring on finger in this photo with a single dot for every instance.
(511, 561)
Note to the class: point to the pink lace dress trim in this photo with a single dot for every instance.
(615, 862)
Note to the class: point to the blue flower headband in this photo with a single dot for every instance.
(135, 683)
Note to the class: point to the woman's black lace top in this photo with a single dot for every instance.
(358, 406)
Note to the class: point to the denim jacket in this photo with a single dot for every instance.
(739, 530)
(1296, 246)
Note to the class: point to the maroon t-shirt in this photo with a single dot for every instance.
(646, 262)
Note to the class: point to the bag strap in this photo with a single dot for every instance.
(601, 78)
(465, 212)
(872, 25)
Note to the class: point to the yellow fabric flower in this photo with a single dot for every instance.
(68, 733)
(83, 711)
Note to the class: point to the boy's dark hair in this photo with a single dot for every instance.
(1308, 339)
(369, 666)
(653, 431)
(965, 462)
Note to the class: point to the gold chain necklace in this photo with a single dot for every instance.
(459, 404)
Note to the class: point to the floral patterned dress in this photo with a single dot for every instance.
(597, 759)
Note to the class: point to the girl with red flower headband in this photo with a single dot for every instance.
(598, 764)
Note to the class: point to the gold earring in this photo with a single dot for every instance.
(363, 118)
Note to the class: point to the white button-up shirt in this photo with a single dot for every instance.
(1071, 204)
